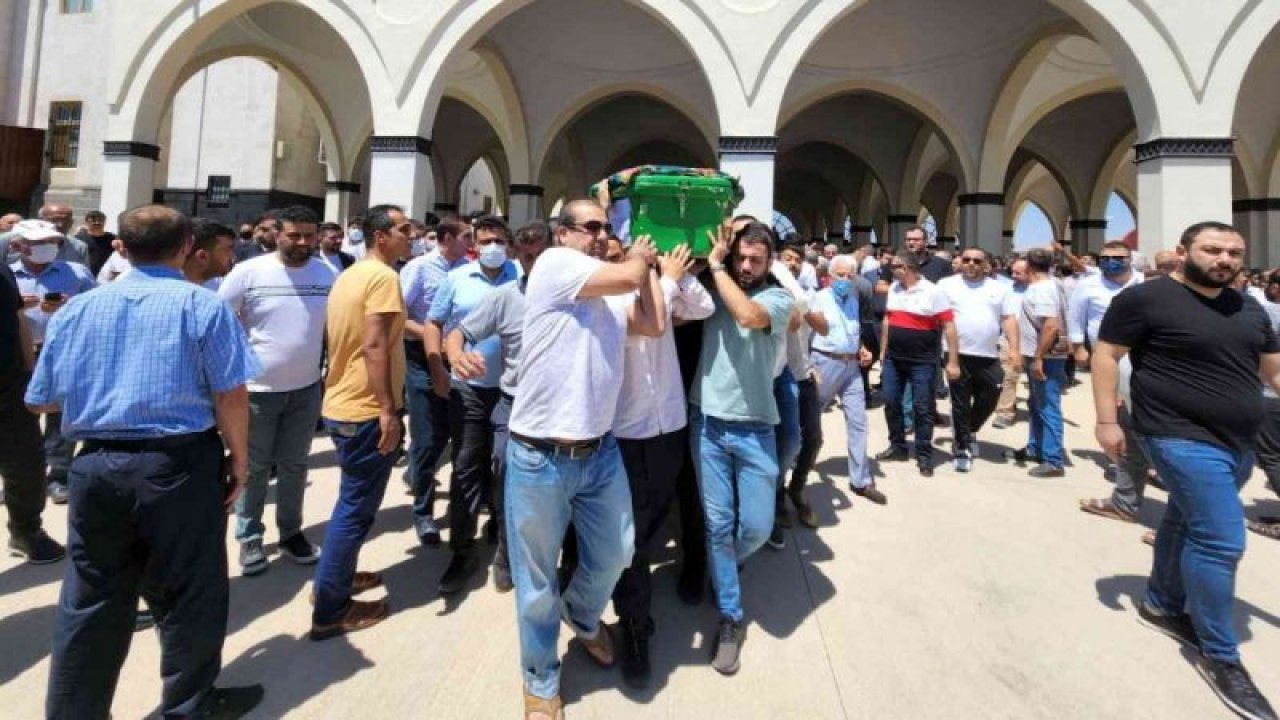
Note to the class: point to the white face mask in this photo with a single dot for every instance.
(43, 254)
(418, 247)
(355, 236)
(492, 255)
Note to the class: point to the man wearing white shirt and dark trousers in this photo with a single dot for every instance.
(980, 304)
(280, 299)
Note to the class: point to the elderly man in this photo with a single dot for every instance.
(46, 284)
(73, 249)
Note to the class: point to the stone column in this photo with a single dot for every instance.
(981, 220)
(128, 177)
(525, 204)
(898, 226)
(1253, 217)
(1181, 181)
(750, 159)
(861, 235)
(400, 173)
(337, 200)
(1087, 235)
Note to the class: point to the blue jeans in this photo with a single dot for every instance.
(896, 377)
(365, 472)
(545, 491)
(733, 458)
(280, 428)
(844, 378)
(786, 393)
(1201, 538)
(428, 435)
(1044, 408)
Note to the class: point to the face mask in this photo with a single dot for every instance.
(355, 236)
(1113, 266)
(430, 245)
(841, 288)
(43, 254)
(418, 247)
(492, 255)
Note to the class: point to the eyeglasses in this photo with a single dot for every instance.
(896, 266)
(592, 227)
(971, 261)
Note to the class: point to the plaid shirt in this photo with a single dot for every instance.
(141, 358)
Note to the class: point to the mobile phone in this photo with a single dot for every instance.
(52, 297)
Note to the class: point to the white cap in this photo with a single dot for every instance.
(36, 230)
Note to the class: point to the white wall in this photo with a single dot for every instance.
(477, 185)
(224, 123)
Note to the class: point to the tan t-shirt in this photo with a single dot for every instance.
(366, 288)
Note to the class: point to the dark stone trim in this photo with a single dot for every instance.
(399, 144)
(1256, 205)
(1087, 224)
(1184, 148)
(447, 207)
(1007, 233)
(903, 219)
(128, 148)
(521, 189)
(835, 236)
(981, 199)
(861, 228)
(748, 145)
(345, 186)
(946, 239)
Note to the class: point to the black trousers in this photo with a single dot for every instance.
(21, 456)
(974, 396)
(470, 486)
(653, 466)
(147, 521)
(810, 435)
(1267, 444)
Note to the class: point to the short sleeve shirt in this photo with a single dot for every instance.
(978, 308)
(501, 316)
(736, 368)
(571, 355)
(366, 288)
(1042, 300)
(915, 316)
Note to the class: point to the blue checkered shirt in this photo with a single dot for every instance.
(141, 358)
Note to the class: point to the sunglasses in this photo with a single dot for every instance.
(971, 261)
(593, 227)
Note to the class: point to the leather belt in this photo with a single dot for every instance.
(842, 357)
(572, 449)
(168, 442)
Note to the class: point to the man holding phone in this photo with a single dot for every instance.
(46, 284)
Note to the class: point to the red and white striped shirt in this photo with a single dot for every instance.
(915, 316)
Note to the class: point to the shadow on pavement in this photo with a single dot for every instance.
(1134, 587)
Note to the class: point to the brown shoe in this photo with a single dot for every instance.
(536, 708)
(870, 492)
(359, 615)
(600, 647)
(1106, 509)
(804, 512)
(1149, 537)
(361, 582)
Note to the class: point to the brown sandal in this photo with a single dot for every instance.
(534, 705)
(1107, 509)
(1265, 529)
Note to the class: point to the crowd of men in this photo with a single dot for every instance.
(583, 385)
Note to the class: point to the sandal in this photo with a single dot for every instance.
(534, 705)
(1265, 529)
(1149, 538)
(1107, 509)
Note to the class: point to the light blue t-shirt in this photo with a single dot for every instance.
(462, 290)
(735, 369)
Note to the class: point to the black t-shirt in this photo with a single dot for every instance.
(1195, 360)
(10, 304)
(99, 250)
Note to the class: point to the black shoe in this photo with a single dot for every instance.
(501, 577)
(143, 620)
(37, 548)
(782, 518)
(228, 703)
(1019, 456)
(491, 531)
(1235, 688)
(1046, 470)
(58, 492)
(1177, 626)
(692, 585)
(892, 455)
(871, 493)
(455, 576)
(925, 467)
(299, 549)
(427, 530)
(636, 671)
(729, 640)
(777, 538)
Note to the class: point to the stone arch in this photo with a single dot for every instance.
(508, 122)
(1238, 50)
(1100, 196)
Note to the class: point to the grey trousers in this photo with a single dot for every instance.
(281, 426)
(1131, 471)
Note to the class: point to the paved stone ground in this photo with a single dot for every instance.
(981, 596)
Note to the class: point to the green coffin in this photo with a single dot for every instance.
(676, 205)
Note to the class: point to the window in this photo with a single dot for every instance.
(64, 134)
(70, 7)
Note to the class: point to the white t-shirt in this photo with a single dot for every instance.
(571, 358)
(1043, 299)
(114, 268)
(978, 310)
(283, 311)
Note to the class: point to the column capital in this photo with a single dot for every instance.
(1086, 224)
(400, 144)
(522, 189)
(342, 186)
(748, 144)
(1007, 233)
(130, 148)
(447, 207)
(1183, 148)
(1256, 205)
(980, 199)
(861, 228)
(903, 219)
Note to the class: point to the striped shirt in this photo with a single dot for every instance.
(141, 358)
(915, 317)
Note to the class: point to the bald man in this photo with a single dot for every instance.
(8, 221)
(73, 248)
(1167, 262)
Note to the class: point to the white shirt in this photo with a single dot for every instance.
(572, 354)
(808, 276)
(869, 265)
(283, 311)
(1089, 302)
(334, 261)
(978, 308)
(114, 268)
(1043, 299)
(652, 401)
(783, 341)
(1273, 314)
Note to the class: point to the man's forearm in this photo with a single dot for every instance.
(377, 362)
(1048, 338)
(414, 330)
(433, 342)
(1105, 373)
(454, 345)
(953, 344)
(231, 413)
(24, 339)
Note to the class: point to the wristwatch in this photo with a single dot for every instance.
(716, 267)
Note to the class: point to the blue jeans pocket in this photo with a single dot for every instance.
(524, 459)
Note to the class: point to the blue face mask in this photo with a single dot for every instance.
(841, 288)
(1112, 267)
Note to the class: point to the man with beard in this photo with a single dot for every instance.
(212, 253)
(280, 300)
(733, 417)
(330, 251)
(97, 239)
(1197, 349)
(265, 231)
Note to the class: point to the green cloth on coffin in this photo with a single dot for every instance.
(674, 205)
